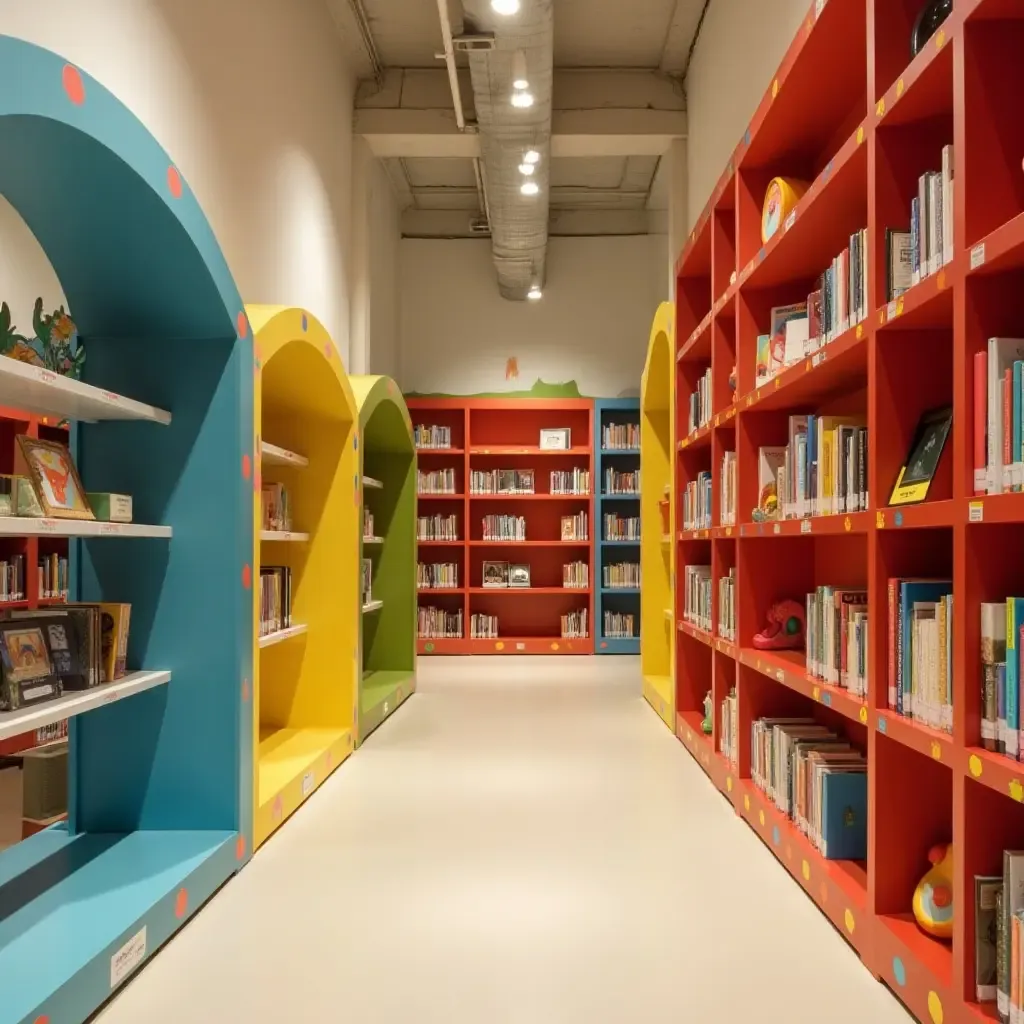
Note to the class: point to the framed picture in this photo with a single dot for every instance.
(524, 481)
(556, 440)
(28, 676)
(54, 478)
(519, 576)
(506, 481)
(923, 459)
(495, 574)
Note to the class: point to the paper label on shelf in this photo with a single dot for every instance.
(977, 256)
(805, 526)
(520, 647)
(48, 525)
(976, 512)
(308, 784)
(790, 220)
(890, 310)
(988, 730)
(127, 958)
(819, 6)
(981, 479)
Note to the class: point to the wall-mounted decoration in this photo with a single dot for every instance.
(55, 347)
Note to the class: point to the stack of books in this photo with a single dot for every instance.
(571, 481)
(619, 626)
(574, 625)
(621, 527)
(483, 627)
(697, 596)
(437, 623)
(727, 491)
(436, 527)
(437, 576)
(510, 528)
(436, 481)
(697, 503)
(621, 483)
(727, 606)
(620, 436)
(700, 404)
(576, 576)
(837, 638)
(575, 527)
(432, 437)
(621, 576)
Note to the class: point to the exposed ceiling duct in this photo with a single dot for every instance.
(519, 223)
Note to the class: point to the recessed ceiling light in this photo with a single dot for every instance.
(531, 156)
(522, 99)
(526, 169)
(519, 79)
(529, 188)
(534, 293)
(505, 6)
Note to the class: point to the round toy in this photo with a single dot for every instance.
(933, 897)
(782, 195)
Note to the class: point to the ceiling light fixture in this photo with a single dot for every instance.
(505, 7)
(529, 188)
(531, 156)
(534, 293)
(519, 79)
(526, 169)
(522, 99)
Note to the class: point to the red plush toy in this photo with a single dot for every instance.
(785, 628)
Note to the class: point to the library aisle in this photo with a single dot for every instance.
(525, 843)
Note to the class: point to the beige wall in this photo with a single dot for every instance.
(740, 48)
(253, 100)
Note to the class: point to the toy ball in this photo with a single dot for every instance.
(933, 897)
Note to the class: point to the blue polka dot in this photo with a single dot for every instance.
(827, 700)
(899, 971)
(776, 838)
(305, 322)
(746, 137)
(355, 481)
(881, 725)
(355, 442)
(761, 254)
(898, 518)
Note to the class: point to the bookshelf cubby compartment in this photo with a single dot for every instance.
(386, 662)
(306, 422)
(160, 812)
(850, 113)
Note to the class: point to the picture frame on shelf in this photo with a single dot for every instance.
(525, 481)
(55, 479)
(27, 675)
(923, 459)
(556, 439)
(506, 481)
(519, 575)
(495, 575)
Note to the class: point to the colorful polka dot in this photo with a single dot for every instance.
(554, 647)
(863, 715)
(240, 848)
(805, 870)
(824, 892)
(73, 84)
(245, 690)
(42, 1020)
(242, 325)
(499, 646)
(976, 766)
(728, 783)
(882, 727)
(775, 834)
(935, 1008)
(849, 921)
(899, 972)
(429, 648)
(174, 185)
(181, 904)
(760, 818)
(305, 322)
(246, 467)
(246, 576)
(746, 801)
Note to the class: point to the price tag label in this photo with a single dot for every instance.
(890, 310)
(805, 526)
(308, 782)
(790, 220)
(48, 376)
(819, 6)
(978, 256)
(48, 525)
(976, 512)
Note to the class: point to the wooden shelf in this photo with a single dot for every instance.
(272, 455)
(284, 536)
(23, 526)
(281, 635)
(371, 484)
(372, 606)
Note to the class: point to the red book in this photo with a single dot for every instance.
(1007, 428)
(980, 420)
(894, 611)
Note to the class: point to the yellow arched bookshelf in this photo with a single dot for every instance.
(307, 428)
(657, 552)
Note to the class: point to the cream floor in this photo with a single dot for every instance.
(523, 843)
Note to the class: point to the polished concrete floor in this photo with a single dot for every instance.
(523, 843)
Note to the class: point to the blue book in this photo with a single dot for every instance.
(844, 815)
(1014, 620)
(812, 456)
(910, 592)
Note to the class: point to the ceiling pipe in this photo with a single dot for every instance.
(449, 60)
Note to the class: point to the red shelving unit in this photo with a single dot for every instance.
(852, 114)
(496, 433)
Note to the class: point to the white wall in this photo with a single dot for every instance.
(253, 101)
(741, 45)
(591, 326)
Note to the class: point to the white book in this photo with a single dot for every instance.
(935, 223)
(1002, 352)
(947, 204)
(924, 218)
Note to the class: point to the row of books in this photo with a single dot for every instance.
(438, 624)
(432, 437)
(52, 582)
(697, 503)
(501, 527)
(817, 779)
(729, 722)
(576, 576)
(574, 625)
(619, 625)
(999, 938)
(576, 527)
(621, 575)
(727, 490)
(437, 527)
(920, 669)
(697, 596)
(727, 606)
(621, 527)
(699, 412)
(617, 436)
(501, 481)
(12, 578)
(1002, 641)
(45, 652)
(570, 481)
(483, 627)
(275, 598)
(437, 575)
(368, 523)
(928, 244)
(367, 579)
(435, 481)
(837, 638)
(276, 507)
(998, 437)
(616, 482)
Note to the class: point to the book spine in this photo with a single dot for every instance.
(915, 243)
(1017, 470)
(1012, 722)
(893, 656)
(1001, 707)
(1007, 411)
(947, 204)
(980, 421)
(1002, 959)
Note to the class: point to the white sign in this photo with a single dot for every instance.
(127, 958)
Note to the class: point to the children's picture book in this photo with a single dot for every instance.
(781, 316)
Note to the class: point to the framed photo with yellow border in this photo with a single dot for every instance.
(923, 459)
(54, 478)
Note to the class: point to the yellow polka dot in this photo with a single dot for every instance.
(499, 646)
(554, 647)
(975, 765)
(760, 817)
(728, 783)
(1017, 791)
(864, 715)
(936, 750)
(806, 871)
(746, 801)
(850, 923)
(935, 1007)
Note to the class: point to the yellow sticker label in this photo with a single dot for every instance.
(728, 783)
(860, 135)
(880, 520)
(746, 801)
(941, 280)
(880, 108)
(816, 693)
(864, 715)
(849, 921)
(1017, 791)
(760, 818)
(976, 766)
(860, 331)
(805, 870)
(936, 750)
(881, 316)
(899, 306)
(899, 88)
(847, 524)
(940, 39)
(775, 88)
(778, 382)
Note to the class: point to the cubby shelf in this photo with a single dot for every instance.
(851, 113)
(490, 434)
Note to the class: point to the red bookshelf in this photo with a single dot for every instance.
(852, 114)
(500, 434)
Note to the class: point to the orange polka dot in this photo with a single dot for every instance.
(174, 181)
(242, 324)
(246, 577)
(181, 904)
(240, 848)
(42, 1020)
(258, 481)
(73, 84)
(246, 467)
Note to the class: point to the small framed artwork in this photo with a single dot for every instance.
(556, 439)
(519, 576)
(923, 458)
(495, 574)
(28, 676)
(524, 481)
(506, 481)
(54, 478)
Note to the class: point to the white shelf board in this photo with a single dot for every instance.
(77, 702)
(46, 393)
(284, 535)
(25, 526)
(373, 540)
(372, 606)
(376, 485)
(272, 455)
(283, 634)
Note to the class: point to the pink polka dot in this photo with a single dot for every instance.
(73, 84)
(181, 904)
(246, 467)
(245, 690)
(242, 324)
(240, 848)
(328, 351)
(174, 181)
(246, 577)
(42, 1020)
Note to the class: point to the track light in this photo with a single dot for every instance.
(529, 188)
(531, 156)
(534, 293)
(519, 79)
(505, 7)
(526, 169)
(522, 99)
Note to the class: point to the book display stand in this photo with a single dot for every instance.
(514, 595)
(657, 551)
(851, 114)
(617, 489)
(386, 480)
(160, 801)
(306, 437)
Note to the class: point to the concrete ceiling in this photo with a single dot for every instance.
(618, 103)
